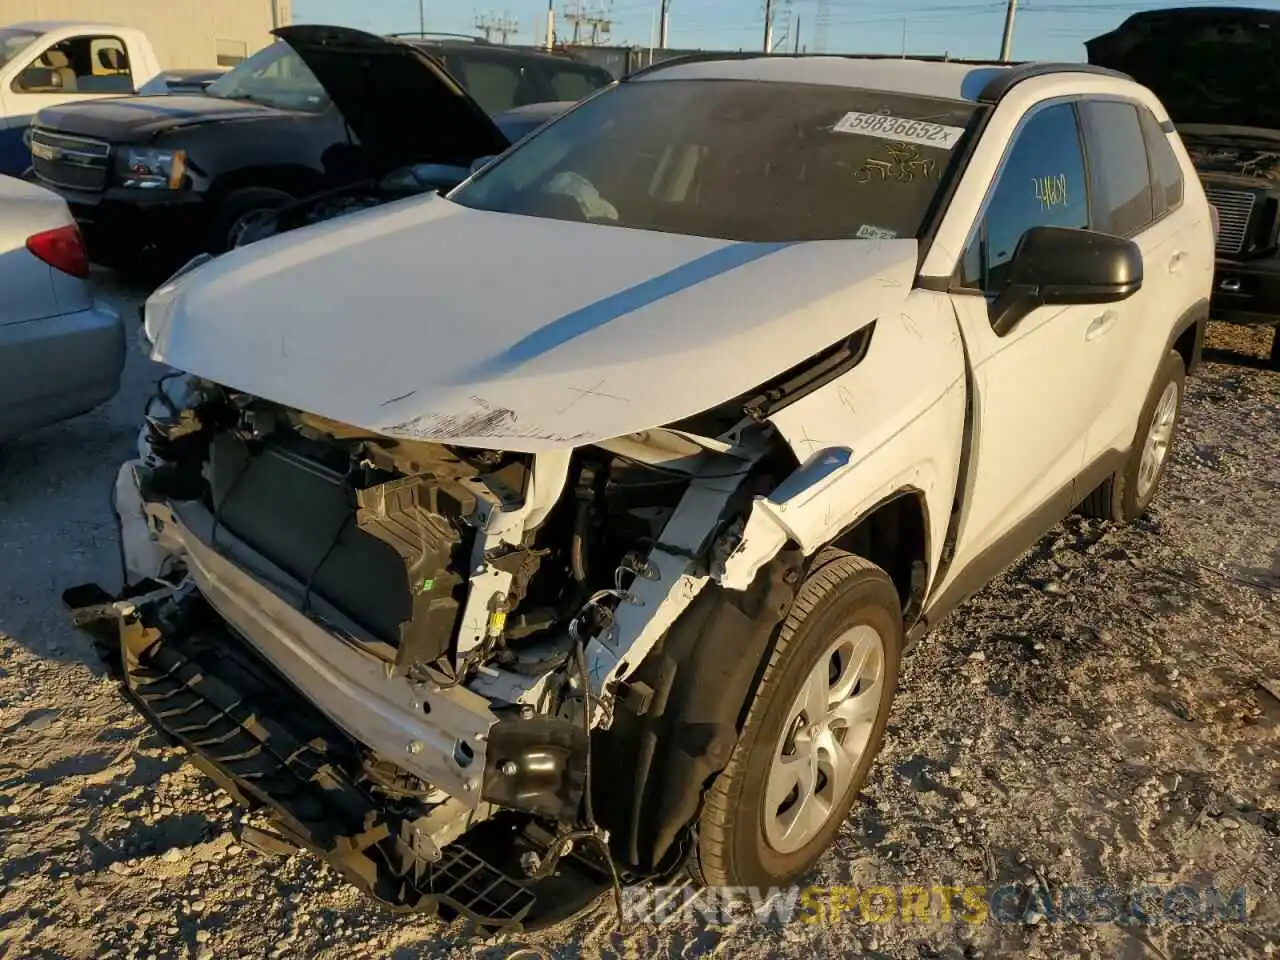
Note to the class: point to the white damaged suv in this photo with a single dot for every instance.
(569, 530)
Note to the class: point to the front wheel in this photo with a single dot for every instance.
(240, 210)
(812, 731)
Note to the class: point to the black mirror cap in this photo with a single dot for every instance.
(1077, 266)
(1063, 266)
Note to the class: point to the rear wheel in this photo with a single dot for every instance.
(812, 732)
(1127, 494)
(1275, 349)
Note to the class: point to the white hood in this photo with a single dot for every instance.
(425, 320)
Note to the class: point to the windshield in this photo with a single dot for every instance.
(13, 42)
(276, 76)
(735, 160)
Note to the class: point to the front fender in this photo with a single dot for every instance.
(892, 424)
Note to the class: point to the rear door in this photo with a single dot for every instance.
(1137, 193)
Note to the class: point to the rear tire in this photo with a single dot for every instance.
(1274, 362)
(1126, 495)
(837, 656)
(240, 208)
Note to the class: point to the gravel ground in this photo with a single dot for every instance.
(1097, 714)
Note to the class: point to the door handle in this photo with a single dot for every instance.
(1175, 262)
(1100, 325)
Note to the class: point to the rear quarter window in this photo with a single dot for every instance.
(1166, 171)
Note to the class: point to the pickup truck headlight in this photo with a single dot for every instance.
(153, 169)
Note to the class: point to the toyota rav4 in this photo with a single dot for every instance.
(569, 530)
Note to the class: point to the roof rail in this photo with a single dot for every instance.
(999, 86)
(417, 35)
(711, 55)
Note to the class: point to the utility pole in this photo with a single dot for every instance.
(1006, 45)
(490, 23)
(768, 26)
(422, 18)
(551, 23)
(663, 19)
(796, 47)
(598, 25)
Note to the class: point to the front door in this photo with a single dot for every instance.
(87, 67)
(1037, 389)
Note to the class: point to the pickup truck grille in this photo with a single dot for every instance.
(77, 163)
(1235, 209)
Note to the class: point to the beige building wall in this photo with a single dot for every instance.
(185, 33)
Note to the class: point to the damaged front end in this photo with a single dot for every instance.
(405, 651)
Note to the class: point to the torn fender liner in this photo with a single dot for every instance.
(679, 714)
(200, 685)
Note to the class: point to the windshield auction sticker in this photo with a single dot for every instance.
(900, 129)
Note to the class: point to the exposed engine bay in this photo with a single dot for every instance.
(438, 633)
(400, 184)
(1230, 155)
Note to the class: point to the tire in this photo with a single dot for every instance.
(239, 208)
(1126, 495)
(1274, 360)
(845, 603)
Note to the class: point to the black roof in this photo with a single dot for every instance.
(494, 50)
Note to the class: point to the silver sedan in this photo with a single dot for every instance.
(61, 352)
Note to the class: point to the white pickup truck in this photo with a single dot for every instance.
(45, 63)
(572, 527)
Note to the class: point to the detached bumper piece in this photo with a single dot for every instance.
(201, 685)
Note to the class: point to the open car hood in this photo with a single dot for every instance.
(1208, 66)
(404, 107)
(426, 320)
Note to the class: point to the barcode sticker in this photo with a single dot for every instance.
(885, 127)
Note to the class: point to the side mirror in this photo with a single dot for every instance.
(39, 80)
(1060, 266)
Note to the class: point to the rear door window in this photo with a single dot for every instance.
(494, 84)
(571, 84)
(1119, 172)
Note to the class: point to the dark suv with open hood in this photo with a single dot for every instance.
(326, 107)
(1217, 70)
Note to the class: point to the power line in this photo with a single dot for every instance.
(491, 23)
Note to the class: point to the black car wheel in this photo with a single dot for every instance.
(239, 210)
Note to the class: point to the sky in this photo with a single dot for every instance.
(1044, 29)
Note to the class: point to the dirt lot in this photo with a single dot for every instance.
(1095, 715)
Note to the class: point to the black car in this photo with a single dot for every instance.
(410, 181)
(163, 178)
(1216, 72)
